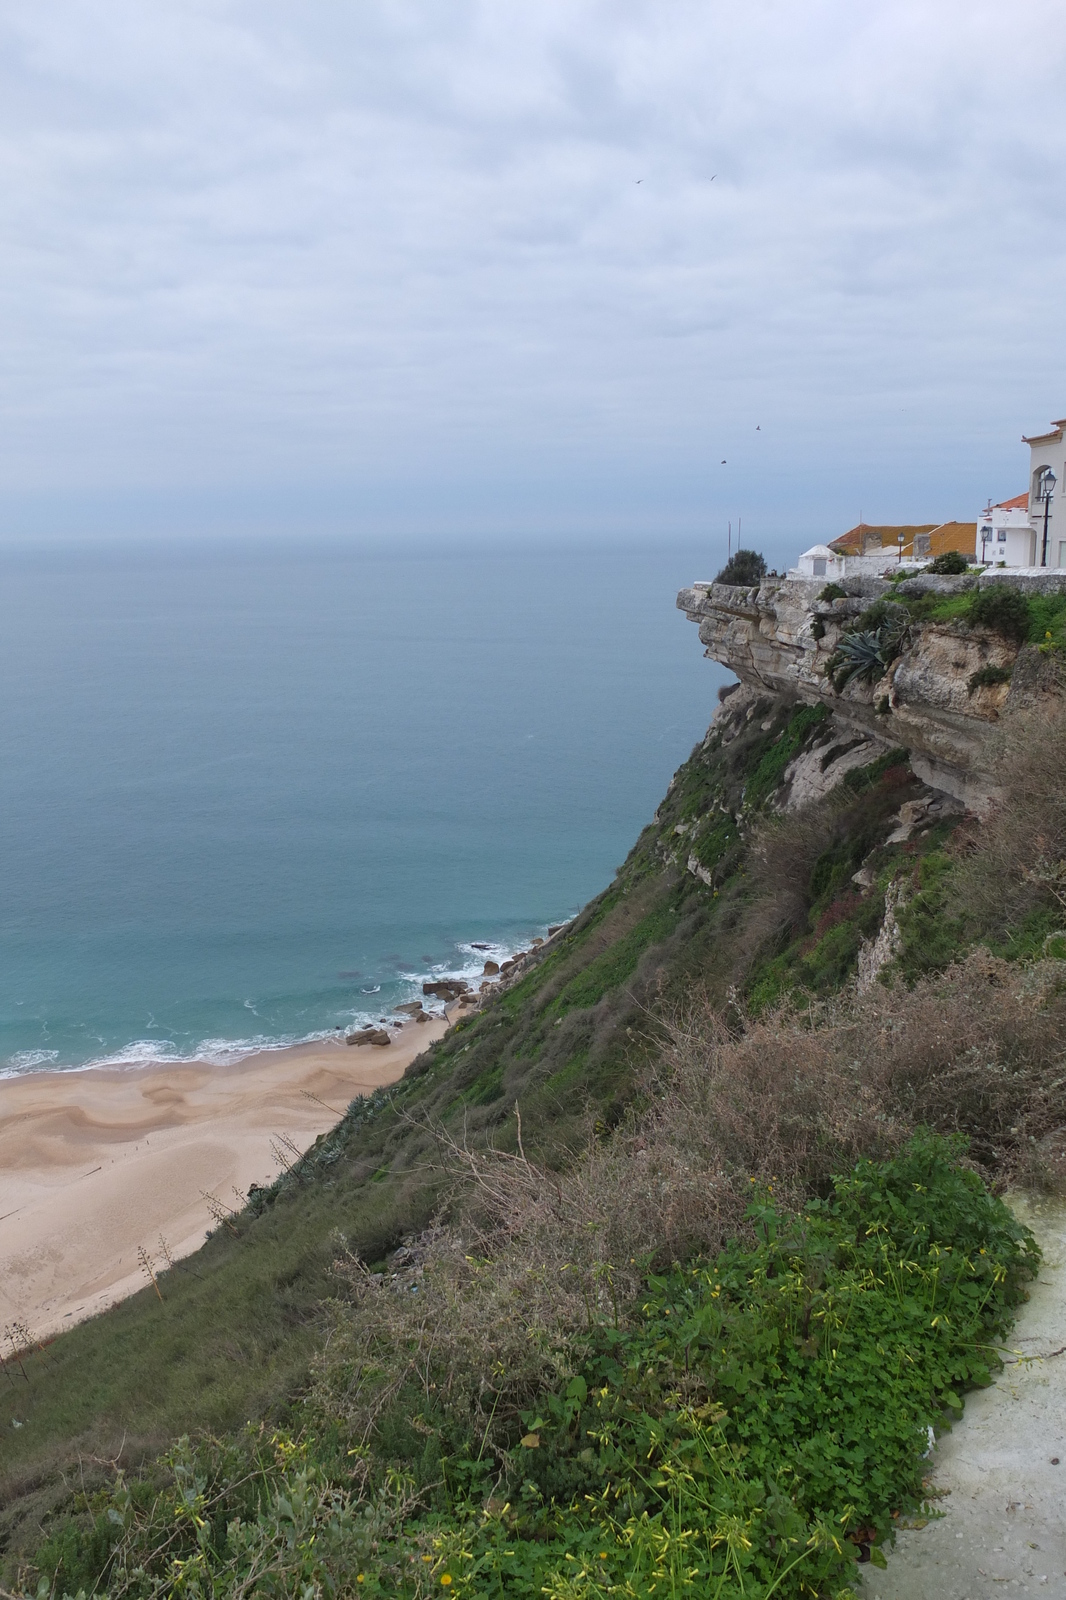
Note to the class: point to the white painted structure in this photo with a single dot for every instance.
(822, 562)
(819, 562)
(1047, 455)
(1005, 536)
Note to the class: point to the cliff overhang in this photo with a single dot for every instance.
(941, 696)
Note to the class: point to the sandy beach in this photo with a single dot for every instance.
(96, 1165)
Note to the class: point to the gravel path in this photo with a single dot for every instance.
(1002, 1469)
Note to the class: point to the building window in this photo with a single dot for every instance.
(1001, 536)
(819, 566)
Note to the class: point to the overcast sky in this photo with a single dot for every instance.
(449, 266)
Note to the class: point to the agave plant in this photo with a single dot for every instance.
(860, 655)
(866, 653)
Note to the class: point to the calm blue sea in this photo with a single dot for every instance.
(251, 793)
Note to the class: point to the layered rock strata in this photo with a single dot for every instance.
(780, 638)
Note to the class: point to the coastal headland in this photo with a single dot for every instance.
(99, 1165)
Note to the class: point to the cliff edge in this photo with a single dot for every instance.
(934, 679)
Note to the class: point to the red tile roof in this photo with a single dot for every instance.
(943, 536)
(1020, 502)
(855, 540)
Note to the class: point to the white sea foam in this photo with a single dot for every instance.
(226, 1052)
(28, 1061)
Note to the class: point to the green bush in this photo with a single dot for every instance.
(985, 677)
(1002, 608)
(833, 591)
(951, 563)
(745, 569)
(1048, 620)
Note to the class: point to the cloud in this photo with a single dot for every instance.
(391, 262)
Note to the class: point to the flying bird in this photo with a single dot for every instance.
(758, 427)
(639, 180)
(723, 463)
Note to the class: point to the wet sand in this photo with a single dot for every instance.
(95, 1165)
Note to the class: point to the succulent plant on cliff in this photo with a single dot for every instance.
(868, 649)
(859, 656)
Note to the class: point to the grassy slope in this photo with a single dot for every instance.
(233, 1337)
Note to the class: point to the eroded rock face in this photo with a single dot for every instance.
(780, 637)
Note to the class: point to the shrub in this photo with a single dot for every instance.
(833, 591)
(986, 677)
(746, 1425)
(1002, 608)
(1019, 862)
(951, 563)
(745, 569)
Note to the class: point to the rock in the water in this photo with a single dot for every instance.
(412, 1007)
(369, 1036)
(490, 969)
(446, 988)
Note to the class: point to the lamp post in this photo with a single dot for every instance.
(900, 538)
(1047, 489)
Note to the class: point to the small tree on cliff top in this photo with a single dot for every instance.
(744, 569)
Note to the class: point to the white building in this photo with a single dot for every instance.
(1005, 536)
(1047, 484)
(819, 562)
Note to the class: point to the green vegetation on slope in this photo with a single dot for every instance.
(761, 1419)
(1038, 619)
(721, 898)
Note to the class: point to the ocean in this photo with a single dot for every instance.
(253, 793)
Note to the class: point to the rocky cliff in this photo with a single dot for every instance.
(940, 696)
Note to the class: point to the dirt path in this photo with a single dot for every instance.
(1002, 1469)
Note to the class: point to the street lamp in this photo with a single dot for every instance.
(901, 538)
(1047, 489)
(986, 534)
